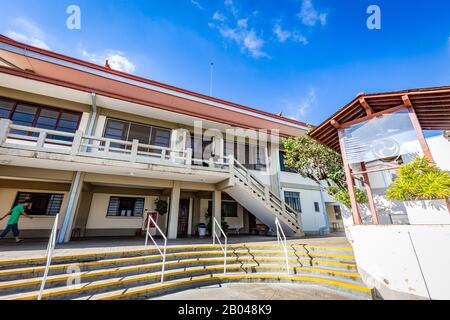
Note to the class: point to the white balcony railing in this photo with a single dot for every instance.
(78, 144)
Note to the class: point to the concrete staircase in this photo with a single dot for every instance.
(137, 274)
(257, 198)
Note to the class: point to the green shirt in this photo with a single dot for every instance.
(15, 214)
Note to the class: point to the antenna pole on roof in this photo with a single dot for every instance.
(211, 79)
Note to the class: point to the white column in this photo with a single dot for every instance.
(275, 167)
(191, 212)
(65, 231)
(174, 209)
(217, 208)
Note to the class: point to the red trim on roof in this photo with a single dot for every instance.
(151, 82)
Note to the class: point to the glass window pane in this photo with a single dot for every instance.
(293, 200)
(139, 132)
(42, 203)
(68, 121)
(24, 115)
(47, 119)
(160, 137)
(6, 108)
(116, 129)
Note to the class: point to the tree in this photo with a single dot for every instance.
(319, 163)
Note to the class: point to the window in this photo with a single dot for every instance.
(229, 209)
(283, 167)
(316, 207)
(30, 115)
(252, 156)
(293, 200)
(129, 131)
(337, 212)
(126, 207)
(43, 204)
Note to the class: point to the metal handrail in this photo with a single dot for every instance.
(50, 249)
(281, 239)
(162, 252)
(223, 246)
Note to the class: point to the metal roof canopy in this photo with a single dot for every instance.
(431, 105)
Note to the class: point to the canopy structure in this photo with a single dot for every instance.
(431, 105)
(378, 132)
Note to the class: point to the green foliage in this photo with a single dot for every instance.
(419, 180)
(314, 160)
(317, 162)
(161, 206)
(342, 196)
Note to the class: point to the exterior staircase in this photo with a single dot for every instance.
(137, 274)
(257, 198)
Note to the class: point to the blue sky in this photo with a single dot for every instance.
(305, 58)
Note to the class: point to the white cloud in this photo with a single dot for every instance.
(241, 33)
(197, 4)
(219, 17)
(285, 35)
(310, 16)
(116, 59)
(28, 32)
(298, 110)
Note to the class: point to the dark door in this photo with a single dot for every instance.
(183, 218)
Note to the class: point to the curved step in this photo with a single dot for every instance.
(154, 290)
(30, 284)
(95, 287)
(86, 257)
(339, 261)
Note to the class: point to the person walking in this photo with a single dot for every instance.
(14, 218)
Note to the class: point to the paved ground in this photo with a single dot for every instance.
(258, 291)
(36, 248)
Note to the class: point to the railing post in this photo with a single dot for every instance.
(189, 157)
(134, 151)
(107, 146)
(4, 129)
(231, 164)
(76, 143)
(41, 140)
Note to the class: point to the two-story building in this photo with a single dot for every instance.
(100, 147)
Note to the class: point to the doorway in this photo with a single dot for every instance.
(183, 218)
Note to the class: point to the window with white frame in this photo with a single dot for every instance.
(125, 207)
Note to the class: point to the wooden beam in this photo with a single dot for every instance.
(350, 184)
(423, 142)
(406, 101)
(366, 106)
(372, 207)
(335, 124)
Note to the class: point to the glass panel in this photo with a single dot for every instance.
(117, 130)
(160, 137)
(388, 138)
(47, 119)
(126, 207)
(68, 121)
(6, 108)
(24, 115)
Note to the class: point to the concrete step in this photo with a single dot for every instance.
(127, 282)
(340, 262)
(30, 284)
(158, 289)
(345, 253)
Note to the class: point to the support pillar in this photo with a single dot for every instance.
(372, 207)
(423, 142)
(174, 210)
(349, 179)
(71, 208)
(217, 209)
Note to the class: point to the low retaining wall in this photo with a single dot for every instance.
(403, 261)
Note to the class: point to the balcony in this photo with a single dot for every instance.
(35, 147)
